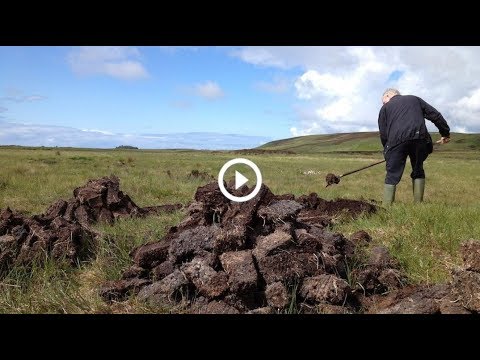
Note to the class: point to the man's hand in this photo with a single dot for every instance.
(443, 140)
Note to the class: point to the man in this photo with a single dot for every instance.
(403, 133)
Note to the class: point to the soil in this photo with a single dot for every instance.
(259, 257)
(64, 230)
(246, 257)
(276, 251)
(460, 296)
(332, 179)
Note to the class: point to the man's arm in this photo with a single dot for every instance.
(430, 113)
(382, 126)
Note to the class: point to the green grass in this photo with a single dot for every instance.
(425, 237)
(361, 142)
(60, 288)
(117, 242)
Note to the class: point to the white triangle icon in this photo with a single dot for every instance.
(239, 180)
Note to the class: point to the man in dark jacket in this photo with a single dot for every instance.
(403, 133)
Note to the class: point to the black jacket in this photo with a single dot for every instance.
(403, 118)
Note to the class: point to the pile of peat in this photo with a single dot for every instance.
(275, 254)
(258, 256)
(64, 230)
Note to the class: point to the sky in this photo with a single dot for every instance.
(221, 97)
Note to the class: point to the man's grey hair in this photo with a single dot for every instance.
(391, 91)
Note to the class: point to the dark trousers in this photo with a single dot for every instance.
(396, 157)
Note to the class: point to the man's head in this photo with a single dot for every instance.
(388, 94)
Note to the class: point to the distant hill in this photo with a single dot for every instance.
(127, 147)
(360, 142)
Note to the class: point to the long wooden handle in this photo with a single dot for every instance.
(435, 147)
(363, 168)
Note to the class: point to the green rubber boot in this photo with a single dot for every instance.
(389, 194)
(418, 189)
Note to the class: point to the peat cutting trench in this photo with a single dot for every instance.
(272, 254)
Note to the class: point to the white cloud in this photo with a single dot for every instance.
(472, 102)
(121, 62)
(125, 70)
(18, 96)
(3, 109)
(312, 84)
(103, 132)
(466, 110)
(35, 98)
(277, 86)
(47, 135)
(294, 131)
(338, 89)
(259, 56)
(336, 110)
(288, 57)
(209, 90)
(459, 129)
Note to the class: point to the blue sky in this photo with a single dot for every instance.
(220, 97)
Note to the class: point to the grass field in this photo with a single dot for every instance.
(424, 237)
(360, 142)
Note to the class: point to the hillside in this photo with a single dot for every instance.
(360, 142)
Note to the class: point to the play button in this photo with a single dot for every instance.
(240, 179)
